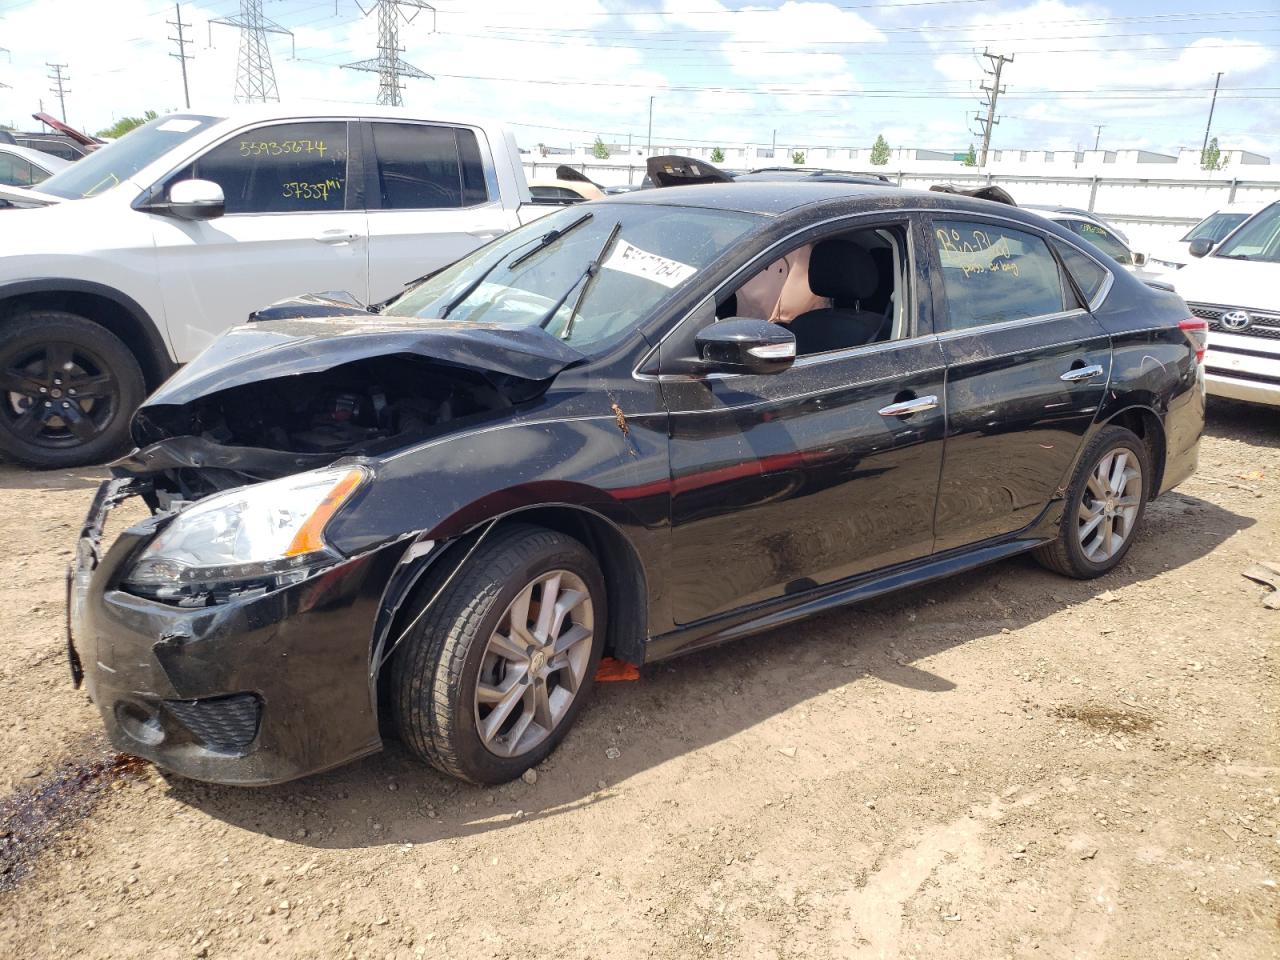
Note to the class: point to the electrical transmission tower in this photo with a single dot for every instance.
(990, 121)
(59, 86)
(255, 77)
(387, 64)
(182, 56)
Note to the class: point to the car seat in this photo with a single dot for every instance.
(846, 273)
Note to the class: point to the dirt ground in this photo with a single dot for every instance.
(1009, 764)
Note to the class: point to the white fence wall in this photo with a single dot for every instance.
(1149, 210)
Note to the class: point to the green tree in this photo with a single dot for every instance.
(599, 150)
(880, 152)
(717, 155)
(1211, 157)
(125, 124)
(797, 156)
(971, 158)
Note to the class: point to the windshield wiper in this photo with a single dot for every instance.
(588, 274)
(1236, 256)
(549, 238)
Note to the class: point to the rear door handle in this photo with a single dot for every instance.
(336, 236)
(1082, 373)
(907, 407)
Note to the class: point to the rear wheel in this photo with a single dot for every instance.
(1105, 503)
(490, 679)
(68, 388)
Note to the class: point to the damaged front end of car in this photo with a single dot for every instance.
(225, 636)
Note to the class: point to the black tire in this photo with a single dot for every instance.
(1066, 554)
(45, 355)
(435, 672)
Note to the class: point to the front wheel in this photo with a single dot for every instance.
(491, 677)
(1104, 506)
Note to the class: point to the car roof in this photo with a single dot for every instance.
(45, 161)
(303, 109)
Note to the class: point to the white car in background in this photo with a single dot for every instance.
(1171, 256)
(1235, 286)
(24, 167)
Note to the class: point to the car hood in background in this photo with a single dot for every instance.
(1236, 283)
(27, 196)
(283, 348)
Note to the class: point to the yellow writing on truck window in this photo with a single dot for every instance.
(280, 148)
(311, 190)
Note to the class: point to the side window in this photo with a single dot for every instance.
(836, 293)
(1103, 239)
(17, 172)
(992, 273)
(1089, 277)
(285, 168)
(423, 167)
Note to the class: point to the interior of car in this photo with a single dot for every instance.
(835, 293)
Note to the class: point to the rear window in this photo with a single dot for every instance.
(992, 273)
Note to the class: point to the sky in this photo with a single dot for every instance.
(720, 73)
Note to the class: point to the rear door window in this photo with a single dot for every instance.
(17, 172)
(283, 168)
(992, 273)
(426, 167)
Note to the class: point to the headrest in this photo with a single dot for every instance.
(842, 270)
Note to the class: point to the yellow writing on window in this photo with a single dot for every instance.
(280, 148)
(977, 254)
(311, 190)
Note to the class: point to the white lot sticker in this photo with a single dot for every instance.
(178, 126)
(639, 263)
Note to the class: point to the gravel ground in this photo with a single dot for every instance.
(1009, 764)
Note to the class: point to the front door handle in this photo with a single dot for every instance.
(907, 407)
(1082, 373)
(336, 236)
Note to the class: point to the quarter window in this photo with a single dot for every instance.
(424, 167)
(286, 168)
(1089, 276)
(991, 273)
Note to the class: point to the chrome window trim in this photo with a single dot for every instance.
(1001, 325)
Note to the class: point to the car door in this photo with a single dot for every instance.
(433, 197)
(294, 224)
(791, 481)
(1027, 368)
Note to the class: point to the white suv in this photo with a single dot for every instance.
(1236, 287)
(135, 258)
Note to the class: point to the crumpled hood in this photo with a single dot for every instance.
(283, 348)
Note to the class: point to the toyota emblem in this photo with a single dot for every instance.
(1236, 320)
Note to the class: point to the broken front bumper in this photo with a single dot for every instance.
(252, 691)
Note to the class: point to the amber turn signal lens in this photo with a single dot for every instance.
(310, 538)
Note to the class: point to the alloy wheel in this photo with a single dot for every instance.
(1109, 506)
(534, 664)
(56, 395)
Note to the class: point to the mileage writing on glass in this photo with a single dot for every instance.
(311, 190)
(280, 148)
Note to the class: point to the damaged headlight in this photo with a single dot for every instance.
(265, 535)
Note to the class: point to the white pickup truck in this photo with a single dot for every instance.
(134, 259)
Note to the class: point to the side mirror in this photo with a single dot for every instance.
(196, 200)
(1199, 247)
(1139, 259)
(744, 345)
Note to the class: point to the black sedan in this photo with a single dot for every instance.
(633, 428)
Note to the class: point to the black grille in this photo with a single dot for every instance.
(225, 724)
(1264, 325)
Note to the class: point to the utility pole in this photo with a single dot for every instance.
(5, 50)
(648, 150)
(181, 56)
(387, 64)
(1098, 139)
(255, 76)
(1212, 103)
(993, 92)
(59, 86)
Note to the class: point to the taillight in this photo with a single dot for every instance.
(1197, 331)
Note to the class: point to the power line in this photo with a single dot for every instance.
(59, 87)
(388, 64)
(182, 56)
(255, 76)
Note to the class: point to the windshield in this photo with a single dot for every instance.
(1215, 226)
(546, 274)
(1259, 239)
(107, 166)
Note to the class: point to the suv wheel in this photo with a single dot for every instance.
(1103, 508)
(490, 679)
(68, 388)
